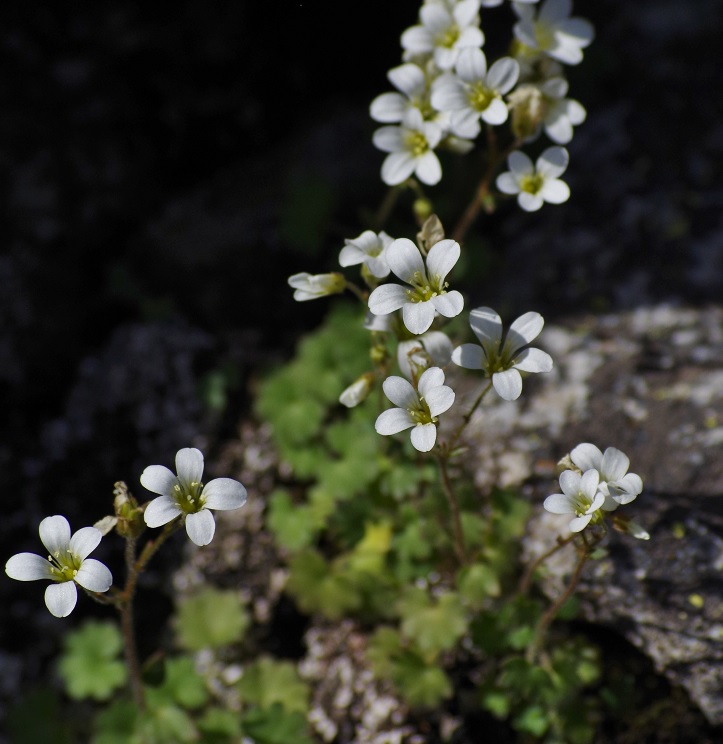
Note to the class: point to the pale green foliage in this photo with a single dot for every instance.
(90, 664)
(268, 681)
(435, 624)
(211, 618)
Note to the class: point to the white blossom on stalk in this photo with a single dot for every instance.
(411, 150)
(369, 249)
(416, 409)
(313, 286)
(411, 82)
(474, 93)
(416, 354)
(503, 359)
(551, 30)
(427, 292)
(66, 565)
(535, 185)
(443, 31)
(185, 495)
(580, 496)
(616, 484)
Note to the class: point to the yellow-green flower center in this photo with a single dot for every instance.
(422, 414)
(532, 183)
(64, 565)
(480, 97)
(448, 37)
(545, 35)
(424, 289)
(188, 497)
(416, 143)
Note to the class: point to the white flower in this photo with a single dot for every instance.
(313, 286)
(411, 81)
(536, 184)
(428, 292)
(552, 31)
(443, 32)
(503, 360)
(416, 408)
(580, 496)
(561, 114)
(358, 391)
(415, 355)
(474, 93)
(616, 484)
(411, 150)
(368, 249)
(186, 495)
(66, 565)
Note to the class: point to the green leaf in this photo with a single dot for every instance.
(434, 625)
(38, 718)
(89, 665)
(510, 514)
(166, 724)
(533, 719)
(477, 583)
(210, 619)
(276, 726)
(267, 682)
(218, 726)
(182, 685)
(116, 724)
(497, 702)
(294, 527)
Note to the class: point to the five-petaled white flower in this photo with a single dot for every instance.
(580, 496)
(616, 484)
(313, 286)
(185, 495)
(561, 114)
(428, 291)
(475, 93)
(66, 565)
(368, 249)
(443, 32)
(417, 409)
(411, 150)
(536, 184)
(503, 359)
(552, 31)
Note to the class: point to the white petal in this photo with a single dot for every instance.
(555, 191)
(398, 167)
(558, 128)
(465, 11)
(430, 379)
(224, 494)
(424, 436)
(507, 183)
(586, 456)
(28, 567)
(159, 479)
(598, 500)
(487, 326)
(448, 94)
(418, 316)
(351, 255)
(589, 482)
(417, 39)
(435, 17)
(530, 202)
(200, 527)
(387, 298)
(570, 483)
(579, 523)
(575, 111)
(61, 598)
(408, 353)
(378, 267)
(534, 360)
(94, 576)
(524, 330)
(440, 399)
(389, 139)
(553, 162)
(388, 108)
(161, 511)
(554, 11)
(496, 113)
(466, 123)
(85, 541)
(626, 489)
(55, 534)
(189, 465)
(449, 304)
(469, 356)
(525, 29)
(400, 392)
(438, 346)
(519, 164)
(580, 29)
(441, 259)
(409, 78)
(555, 88)
(507, 384)
(559, 503)
(471, 65)
(445, 58)
(393, 421)
(428, 169)
(503, 74)
(614, 464)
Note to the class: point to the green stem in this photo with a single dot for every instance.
(359, 293)
(457, 532)
(127, 626)
(467, 417)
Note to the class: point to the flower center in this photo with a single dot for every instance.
(189, 497)
(424, 289)
(480, 97)
(422, 414)
(545, 35)
(416, 143)
(448, 37)
(64, 566)
(532, 183)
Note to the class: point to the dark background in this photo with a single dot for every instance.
(164, 169)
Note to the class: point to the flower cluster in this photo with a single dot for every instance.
(446, 90)
(599, 483)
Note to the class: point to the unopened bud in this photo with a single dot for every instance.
(431, 233)
(358, 391)
(528, 110)
(312, 286)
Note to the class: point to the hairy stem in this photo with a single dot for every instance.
(457, 532)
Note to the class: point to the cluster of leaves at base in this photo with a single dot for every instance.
(179, 706)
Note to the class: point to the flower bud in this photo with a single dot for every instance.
(312, 286)
(358, 391)
(528, 111)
